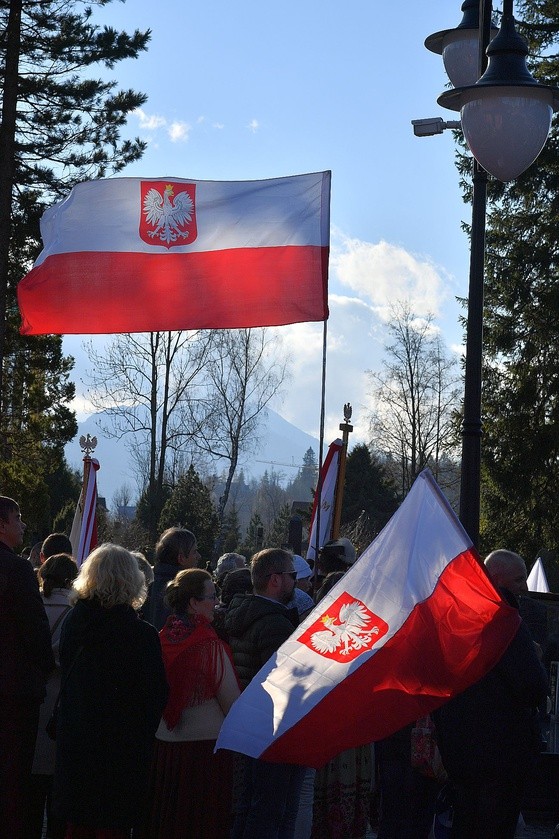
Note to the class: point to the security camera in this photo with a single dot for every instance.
(433, 125)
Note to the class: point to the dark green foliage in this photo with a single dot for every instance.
(520, 447)
(190, 506)
(369, 494)
(303, 486)
(231, 530)
(67, 130)
(254, 539)
(278, 537)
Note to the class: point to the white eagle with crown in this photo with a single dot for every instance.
(168, 215)
(350, 632)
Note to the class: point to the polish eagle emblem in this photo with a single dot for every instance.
(347, 629)
(168, 216)
(348, 632)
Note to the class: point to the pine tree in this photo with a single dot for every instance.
(369, 494)
(303, 486)
(254, 536)
(190, 506)
(231, 530)
(278, 537)
(60, 124)
(520, 444)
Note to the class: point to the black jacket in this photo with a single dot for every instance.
(155, 610)
(491, 729)
(257, 627)
(110, 706)
(26, 657)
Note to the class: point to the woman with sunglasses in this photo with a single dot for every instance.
(203, 686)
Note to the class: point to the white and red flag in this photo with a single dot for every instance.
(83, 535)
(415, 621)
(537, 579)
(327, 497)
(146, 255)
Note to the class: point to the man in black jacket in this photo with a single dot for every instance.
(489, 735)
(258, 624)
(26, 660)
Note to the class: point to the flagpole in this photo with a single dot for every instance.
(345, 428)
(320, 449)
(83, 527)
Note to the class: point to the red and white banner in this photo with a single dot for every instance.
(133, 255)
(83, 535)
(329, 476)
(415, 621)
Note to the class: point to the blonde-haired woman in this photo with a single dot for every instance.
(113, 692)
(192, 786)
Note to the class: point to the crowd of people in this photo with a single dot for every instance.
(137, 666)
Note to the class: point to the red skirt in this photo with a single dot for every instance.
(190, 791)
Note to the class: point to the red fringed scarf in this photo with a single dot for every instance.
(193, 664)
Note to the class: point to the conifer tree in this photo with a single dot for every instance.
(190, 506)
(61, 122)
(368, 493)
(520, 444)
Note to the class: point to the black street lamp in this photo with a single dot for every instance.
(506, 116)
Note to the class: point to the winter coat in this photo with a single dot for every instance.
(110, 705)
(155, 610)
(257, 627)
(491, 730)
(56, 608)
(26, 657)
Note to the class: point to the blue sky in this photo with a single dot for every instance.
(256, 90)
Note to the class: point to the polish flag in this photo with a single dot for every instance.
(415, 621)
(133, 255)
(83, 535)
(329, 479)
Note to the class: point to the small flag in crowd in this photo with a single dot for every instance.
(537, 580)
(133, 255)
(327, 497)
(83, 535)
(415, 621)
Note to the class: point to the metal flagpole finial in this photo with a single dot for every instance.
(88, 444)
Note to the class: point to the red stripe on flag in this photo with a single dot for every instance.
(448, 642)
(99, 292)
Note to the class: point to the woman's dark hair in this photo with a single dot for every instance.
(174, 541)
(58, 571)
(235, 582)
(188, 583)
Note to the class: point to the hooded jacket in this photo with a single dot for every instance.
(256, 627)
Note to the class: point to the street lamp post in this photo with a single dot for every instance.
(506, 117)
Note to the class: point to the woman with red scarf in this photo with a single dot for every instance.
(192, 787)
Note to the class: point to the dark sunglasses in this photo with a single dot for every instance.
(292, 574)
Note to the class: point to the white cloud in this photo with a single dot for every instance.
(218, 125)
(179, 131)
(253, 125)
(385, 274)
(150, 122)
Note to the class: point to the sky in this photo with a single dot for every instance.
(256, 90)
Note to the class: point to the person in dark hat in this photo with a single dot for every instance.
(336, 555)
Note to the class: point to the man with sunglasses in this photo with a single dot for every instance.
(258, 624)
